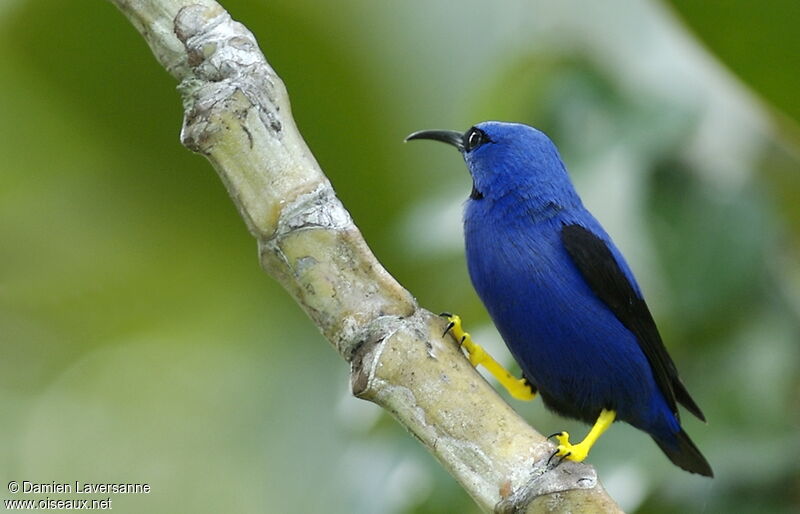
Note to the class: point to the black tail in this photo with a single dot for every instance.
(683, 397)
(684, 454)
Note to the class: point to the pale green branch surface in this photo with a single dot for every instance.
(237, 114)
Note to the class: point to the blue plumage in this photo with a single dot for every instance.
(560, 292)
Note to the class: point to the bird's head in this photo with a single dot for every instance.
(509, 158)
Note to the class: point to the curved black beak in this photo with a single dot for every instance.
(451, 137)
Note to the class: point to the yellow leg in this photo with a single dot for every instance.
(516, 387)
(578, 452)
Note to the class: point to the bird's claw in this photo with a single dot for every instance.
(566, 450)
(558, 463)
(448, 328)
(519, 388)
(451, 322)
(453, 326)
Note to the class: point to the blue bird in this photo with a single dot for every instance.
(562, 296)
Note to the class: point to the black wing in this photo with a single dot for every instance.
(603, 274)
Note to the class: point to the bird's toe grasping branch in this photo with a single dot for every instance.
(516, 387)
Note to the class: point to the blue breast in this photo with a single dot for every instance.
(568, 343)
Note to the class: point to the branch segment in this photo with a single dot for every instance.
(237, 114)
(428, 385)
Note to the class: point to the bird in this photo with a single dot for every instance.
(562, 296)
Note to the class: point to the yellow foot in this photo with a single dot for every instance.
(516, 387)
(578, 452)
(567, 450)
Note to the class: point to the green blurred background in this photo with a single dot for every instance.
(140, 341)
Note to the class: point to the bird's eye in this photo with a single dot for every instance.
(474, 138)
